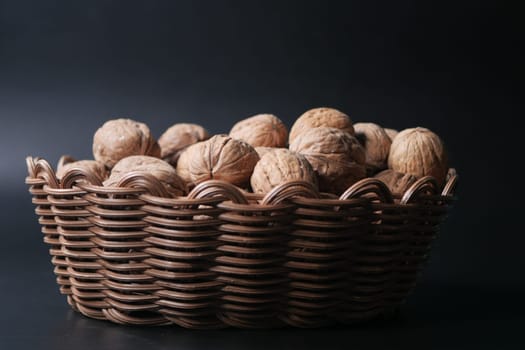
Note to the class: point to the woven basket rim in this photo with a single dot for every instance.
(151, 190)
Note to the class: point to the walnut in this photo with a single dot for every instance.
(162, 170)
(261, 130)
(376, 144)
(178, 137)
(420, 152)
(183, 163)
(278, 166)
(391, 133)
(92, 166)
(336, 156)
(120, 138)
(321, 117)
(221, 158)
(261, 151)
(398, 183)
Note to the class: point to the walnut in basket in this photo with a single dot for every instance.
(261, 151)
(376, 143)
(420, 152)
(120, 138)
(392, 133)
(261, 130)
(160, 169)
(321, 117)
(220, 158)
(397, 183)
(278, 166)
(336, 156)
(177, 137)
(92, 166)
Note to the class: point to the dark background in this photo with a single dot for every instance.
(68, 66)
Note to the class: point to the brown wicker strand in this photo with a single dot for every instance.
(65, 159)
(288, 190)
(145, 181)
(183, 237)
(74, 175)
(36, 183)
(425, 185)
(73, 225)
(120, 243)
(213, 188)
(376, 253)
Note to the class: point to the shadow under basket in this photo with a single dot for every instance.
(220, 257)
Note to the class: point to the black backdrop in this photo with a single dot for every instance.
(66, 67)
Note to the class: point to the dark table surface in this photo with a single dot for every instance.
(35, 316)
(437, 315)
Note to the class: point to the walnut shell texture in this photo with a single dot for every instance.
(183, 163)
(321, 117)
(160, 169)
(261, 130)
(92, 166)
(336, 156)
(120, 138)
(420, 152)
(261, 151)
(398, 183)
(392, 133)
(278, 166)
(178, 137)
(375, 142)
(220, 158)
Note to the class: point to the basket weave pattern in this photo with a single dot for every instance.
(221, 257)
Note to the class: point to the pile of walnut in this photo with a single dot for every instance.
(323, 148)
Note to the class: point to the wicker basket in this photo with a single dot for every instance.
(221, 257)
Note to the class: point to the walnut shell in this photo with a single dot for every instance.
(261, 151)
(420, 152)
(336, 156)
(278, 166)
(392, 133)
(221, 158)
(398, 183)
(178, 137)
(120, 138)
(162, 170)
(92, 166)
(261, 130)
(376, 143)
(183, 163)
(321, 117)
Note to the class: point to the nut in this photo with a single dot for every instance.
(336, 156)
(92, 166)
(398, 183)
(261, 151)
(183, 163)
(178, 137)
(376, 144)
(420, 152)
(278, 166)
(261, 130)
(221, 158)
(120, 138)
(321, 117)
(160, 169)
(391, 133)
